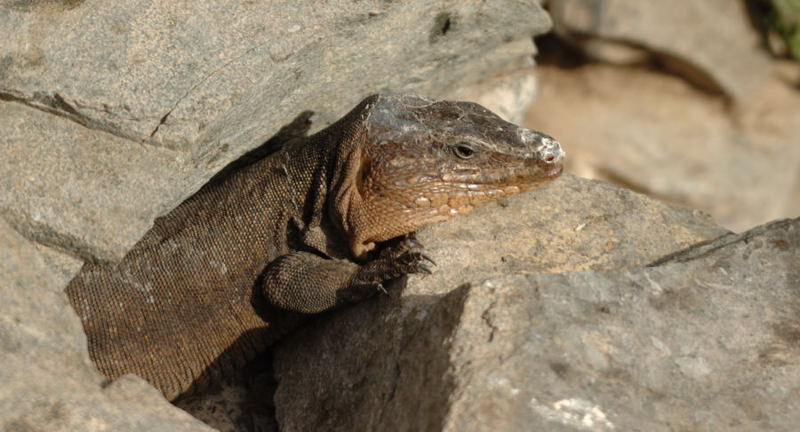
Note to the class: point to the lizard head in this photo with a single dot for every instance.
(417, 161)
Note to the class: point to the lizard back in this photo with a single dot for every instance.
(182, 304)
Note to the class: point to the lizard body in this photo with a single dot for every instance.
(205, 288)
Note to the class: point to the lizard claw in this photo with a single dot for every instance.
(413, 242)
(397, 260)
(381, 288)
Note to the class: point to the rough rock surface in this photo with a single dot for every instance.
(402, 362)
(706, 341)
(63, 184)
(712, 42)
(656, 134)
(183, 90)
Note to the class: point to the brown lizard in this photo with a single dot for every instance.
(306, 229)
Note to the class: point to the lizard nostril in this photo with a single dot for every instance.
(551, 151)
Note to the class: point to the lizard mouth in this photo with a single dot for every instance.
(464, 197)
(425, 200)
(530, 177)
(555, 171)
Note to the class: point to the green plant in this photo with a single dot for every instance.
(784, 18)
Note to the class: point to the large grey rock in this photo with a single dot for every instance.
(656, 134)
(711, 42)
(48, 381)
(183, 90)
(706, 342)
(401, 363)
(86, 191)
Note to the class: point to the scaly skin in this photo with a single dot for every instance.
(304, 230)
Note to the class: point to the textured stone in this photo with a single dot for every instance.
(48, 381)
(711, 42)
(393, 363)
(186, 89)
(710, 343)
(89, 192)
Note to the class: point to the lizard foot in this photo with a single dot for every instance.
(398, 259)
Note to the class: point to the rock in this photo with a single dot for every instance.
(510, 94)
(48, 380)
(65, 185)
(653, 133)
(705, 41)
(402, 362)
(181, 91)
(707, 343)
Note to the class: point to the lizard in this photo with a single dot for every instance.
(317, 224)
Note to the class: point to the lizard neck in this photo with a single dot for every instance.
(346, 163)
(315, 176)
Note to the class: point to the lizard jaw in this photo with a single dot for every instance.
(378, 220)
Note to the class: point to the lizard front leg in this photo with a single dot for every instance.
(308, 283)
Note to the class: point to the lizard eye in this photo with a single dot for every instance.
(463, 150)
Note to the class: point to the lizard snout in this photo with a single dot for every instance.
(550, 151)
(545, 148)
